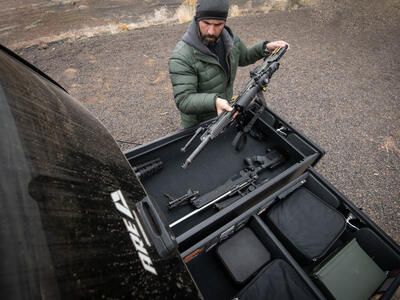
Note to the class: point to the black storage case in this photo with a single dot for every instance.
(199, 237)
(218, 162)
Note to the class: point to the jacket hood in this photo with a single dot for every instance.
(192, 37)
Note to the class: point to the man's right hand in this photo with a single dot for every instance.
(222, 105)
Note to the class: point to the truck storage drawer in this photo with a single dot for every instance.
(367, 250)
(218, 164)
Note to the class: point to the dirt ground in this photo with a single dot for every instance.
(339, 85)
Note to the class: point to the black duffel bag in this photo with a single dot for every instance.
(307, 223)
(276, 281)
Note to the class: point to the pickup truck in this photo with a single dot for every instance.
(78, 223)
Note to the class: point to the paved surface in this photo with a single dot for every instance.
(339, 84)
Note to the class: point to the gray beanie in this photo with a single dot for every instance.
(212, 9)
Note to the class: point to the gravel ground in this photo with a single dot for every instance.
(339, 85)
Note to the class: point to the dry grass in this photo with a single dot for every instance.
(184, 13)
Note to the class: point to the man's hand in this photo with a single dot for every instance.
(222, 105)
(271, 46)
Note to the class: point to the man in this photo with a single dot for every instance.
(203, 64)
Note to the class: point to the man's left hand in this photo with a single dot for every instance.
(271, 46)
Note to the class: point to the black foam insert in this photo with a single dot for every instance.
(218, 162)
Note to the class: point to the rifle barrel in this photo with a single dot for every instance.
(196, 152)
(198, 131)
(196, 211)
(212, 132)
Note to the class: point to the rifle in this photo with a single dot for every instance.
(238, 184)
(259, 79)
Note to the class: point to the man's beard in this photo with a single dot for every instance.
(209, 40)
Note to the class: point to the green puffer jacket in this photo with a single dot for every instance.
(198, 78)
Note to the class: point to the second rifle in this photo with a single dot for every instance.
(236, 185)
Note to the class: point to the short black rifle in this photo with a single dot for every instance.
(259, 80)
(245, 180)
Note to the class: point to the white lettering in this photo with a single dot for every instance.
(139, 245)
(123, 208)
(147, 263)
(136, 238)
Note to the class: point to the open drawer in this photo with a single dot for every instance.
(355, 258)
(215, 280)
(218, 163)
